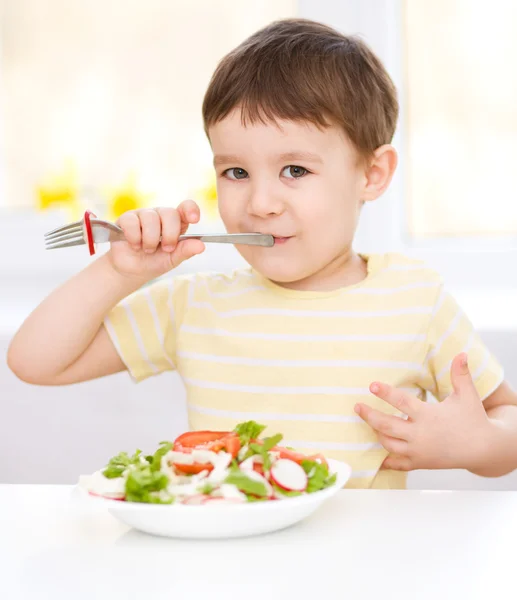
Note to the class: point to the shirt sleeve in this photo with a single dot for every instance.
(451, 333)
(143, 327)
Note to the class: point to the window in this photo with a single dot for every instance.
(102, 90)
(461, 93)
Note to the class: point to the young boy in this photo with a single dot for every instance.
(300, 120)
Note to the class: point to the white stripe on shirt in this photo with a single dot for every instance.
(445, 335)
(295, 390)
(295, 337)
(350, 447)
(138, 337)
(326, 314)
(156, 321)
(264, 362)
(364, 474)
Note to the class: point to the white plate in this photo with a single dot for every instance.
(214, 520)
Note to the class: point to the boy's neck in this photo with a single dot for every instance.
(347, 269)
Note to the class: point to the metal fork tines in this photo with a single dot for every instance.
(65, 237)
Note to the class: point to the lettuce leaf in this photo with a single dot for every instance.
(144, 484)
(246, 485)
(319, 477)
(156, 459)
(119, 463)
(264, 448)
(249, 430)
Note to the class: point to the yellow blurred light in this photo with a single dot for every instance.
(61, 190)
(125, 198)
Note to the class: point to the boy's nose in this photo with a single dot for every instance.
(264, 202)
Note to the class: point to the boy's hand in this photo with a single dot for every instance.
(453, 434)
(142, 255)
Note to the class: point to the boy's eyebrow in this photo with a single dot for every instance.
(301, 156)
(224, 159)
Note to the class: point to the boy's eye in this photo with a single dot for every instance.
(236, 173)
(294, 172)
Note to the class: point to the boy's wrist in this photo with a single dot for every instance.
(125, 282)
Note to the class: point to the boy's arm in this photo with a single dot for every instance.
(64, 341)
(500, 454)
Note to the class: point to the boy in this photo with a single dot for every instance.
(300, 120)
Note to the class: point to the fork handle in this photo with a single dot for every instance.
(250, 239)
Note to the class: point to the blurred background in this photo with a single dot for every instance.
(100, 108)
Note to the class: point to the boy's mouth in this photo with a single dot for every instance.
(281, 240)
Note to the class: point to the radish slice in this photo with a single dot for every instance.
(118, 497)
(211, 500)
(289, 475)
(197, 499)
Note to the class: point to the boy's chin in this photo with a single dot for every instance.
(279, 272)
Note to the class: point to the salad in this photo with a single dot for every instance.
(201, 467)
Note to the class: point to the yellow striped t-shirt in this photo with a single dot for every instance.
(298, 361)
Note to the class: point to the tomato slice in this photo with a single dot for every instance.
(232, 444)
(258, 468)
(193, 469)
(209, 440)
(192, 439)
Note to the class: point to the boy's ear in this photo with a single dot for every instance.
(379, 172)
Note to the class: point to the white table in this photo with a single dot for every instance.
(361, 544)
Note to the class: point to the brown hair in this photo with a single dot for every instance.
(301, 70)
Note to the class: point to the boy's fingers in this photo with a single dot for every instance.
(171, 225)
(184, 250)
(393, 445)
(389, 425)
(406, 403)
(151, 229)
(189, 213)
(130, 224)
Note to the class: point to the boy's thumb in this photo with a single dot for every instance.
(461, 378)
(186, 249)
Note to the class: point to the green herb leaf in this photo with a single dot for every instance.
(272, 441)
(249, 430)
(289, 493)
(264, 448)
(318, 476)
(207, 489)
(256, 499)
(143, 483)
(119, 463)
(156, 461)
(247, 485)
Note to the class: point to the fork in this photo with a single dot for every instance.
(90, 231)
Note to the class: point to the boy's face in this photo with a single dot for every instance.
(299, 183)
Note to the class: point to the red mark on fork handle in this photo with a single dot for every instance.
(89, 233)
